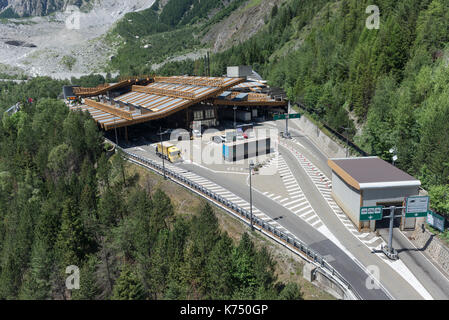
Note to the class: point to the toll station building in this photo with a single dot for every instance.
(371, 181)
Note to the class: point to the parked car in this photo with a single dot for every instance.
(196, 133)
(219, 139)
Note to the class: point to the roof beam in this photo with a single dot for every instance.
(109, 109)
(165, 92)
(192, 81)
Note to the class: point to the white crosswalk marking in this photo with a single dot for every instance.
(296, 202)
(324, 185)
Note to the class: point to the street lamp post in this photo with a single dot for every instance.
(287, 135)
(163, 162)
(251, 166)
(235, 122)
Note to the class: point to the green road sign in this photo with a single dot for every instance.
(416, 206)
(370, 213)
(416, 215)
(284, 116)
(279, 116)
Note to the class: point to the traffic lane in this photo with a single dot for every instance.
(350, 270)
(347, 267)
(429, 276)
(389, 278)
(310, 150)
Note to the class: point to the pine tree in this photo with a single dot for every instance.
(128, 286)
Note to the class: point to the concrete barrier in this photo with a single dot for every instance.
(432, 246)
(331, 148)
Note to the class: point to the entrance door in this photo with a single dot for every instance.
(385, 223)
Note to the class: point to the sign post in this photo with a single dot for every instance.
(435, 220)
(287, 116)
(415, 206)
(389, 251)
(371, 213)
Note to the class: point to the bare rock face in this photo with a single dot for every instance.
(240, 25)
(38, 7)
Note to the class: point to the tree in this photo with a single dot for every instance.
(128, 286)
(73, 244)
(219, 270)
(89, 289)
(291, 291)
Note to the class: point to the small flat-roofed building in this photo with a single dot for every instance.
(371, 181)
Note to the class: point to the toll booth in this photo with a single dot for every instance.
(371, 181)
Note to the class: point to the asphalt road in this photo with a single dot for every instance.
(429, 276)
(347, 267)
(433, 280)
(393, 282)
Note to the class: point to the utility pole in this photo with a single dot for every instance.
(287, 135)
(251, 166)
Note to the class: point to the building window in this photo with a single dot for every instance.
(209, 113)
(197, 115)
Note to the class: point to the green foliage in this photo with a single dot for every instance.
(439, 198)
(128, 286)
(68, 61)
(393, 80)
(91, 80)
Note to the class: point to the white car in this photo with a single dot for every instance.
(196, 133)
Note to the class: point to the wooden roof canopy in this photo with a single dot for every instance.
(161, 98)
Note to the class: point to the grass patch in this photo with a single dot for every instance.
(252, 4)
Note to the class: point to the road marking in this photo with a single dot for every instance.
(292, 202)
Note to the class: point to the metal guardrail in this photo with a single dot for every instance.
(297, 244)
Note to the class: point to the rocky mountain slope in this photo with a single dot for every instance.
(25, 8)
(52, 46)
(141, 34)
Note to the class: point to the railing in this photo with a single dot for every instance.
(208, 82)
(165, 92)
(135, 78)
(296, 244)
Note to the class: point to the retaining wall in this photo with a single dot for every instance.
(433, 247)
(331, 148)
